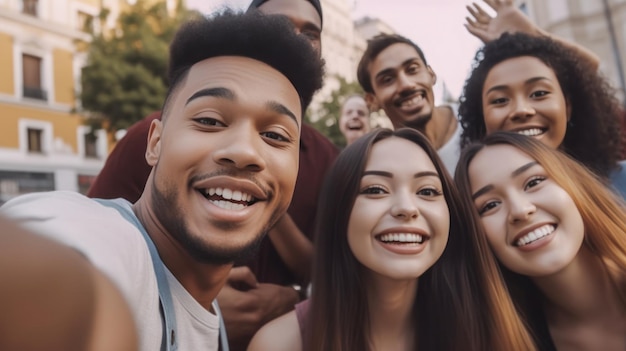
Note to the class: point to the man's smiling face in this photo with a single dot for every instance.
(225, 156)
(403, 86)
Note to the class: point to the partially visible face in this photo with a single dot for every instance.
(354, 120)
(303, 16)
(225, 156)
(523, 95)
(403, 86)
(532, 224)
(399, 224)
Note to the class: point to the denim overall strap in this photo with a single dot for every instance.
(223, 336)
(168, 342)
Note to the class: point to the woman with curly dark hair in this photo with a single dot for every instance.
(538, 87)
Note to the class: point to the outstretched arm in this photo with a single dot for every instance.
(510, 19)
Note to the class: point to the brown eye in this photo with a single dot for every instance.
(209, 122)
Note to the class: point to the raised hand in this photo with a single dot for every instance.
(508, 19)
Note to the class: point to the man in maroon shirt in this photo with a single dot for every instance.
(285, 259)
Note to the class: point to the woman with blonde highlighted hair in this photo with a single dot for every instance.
(559, 235)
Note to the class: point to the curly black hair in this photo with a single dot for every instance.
(593, 133)
(269, 39)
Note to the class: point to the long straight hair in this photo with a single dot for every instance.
(602, 211)
(461, 302)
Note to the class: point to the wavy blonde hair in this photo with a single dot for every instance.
(603, 211)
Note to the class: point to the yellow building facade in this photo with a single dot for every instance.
(44, 145)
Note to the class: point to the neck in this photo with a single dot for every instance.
(390, 305)
(439, 128)
(203, 281)
(582, 291)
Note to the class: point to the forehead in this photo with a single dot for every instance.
(393, 57)
(298, 11)
(519, 69)
(500, 161)
(392, 154)
(355, 102)
(249, 79)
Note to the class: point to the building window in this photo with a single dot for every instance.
(30, 7)
(91, 149)
(13, 183)
(31, 75)
(35, 140)
(84, 22)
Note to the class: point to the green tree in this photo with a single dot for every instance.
(330, 111)
(125, 77)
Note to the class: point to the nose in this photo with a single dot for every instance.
(405, 82)
(520, 209)
(522, 110)
(240, 149)
(404, 207)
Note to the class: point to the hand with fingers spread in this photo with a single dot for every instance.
(508, 19)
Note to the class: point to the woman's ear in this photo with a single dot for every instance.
(153, 149)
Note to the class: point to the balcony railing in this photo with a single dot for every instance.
(35, 93)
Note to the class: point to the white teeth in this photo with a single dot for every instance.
(531, 132)
(402, 238)
(227, 205)
(228, 194)
(413, 101)
(535, 235)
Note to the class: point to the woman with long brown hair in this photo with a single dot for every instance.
(559, 235)
(400, 262)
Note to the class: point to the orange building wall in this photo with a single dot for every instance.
(64, 125)
(6, 65)
(63, 77)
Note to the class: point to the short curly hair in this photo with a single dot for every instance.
(593, 132)
(269, 39)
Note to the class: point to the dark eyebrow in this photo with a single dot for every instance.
(311, 26)
(523, 168)
(218, 92)
(280, 108)
(482, 191)
(378, 173)
(225, 93)
(426, 174)
(527, 82)
(391, 70)
(514, 174)
(389, 175)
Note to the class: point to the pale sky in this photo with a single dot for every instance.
(435, 25)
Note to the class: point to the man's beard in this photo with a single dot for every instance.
(418, 123)
(166, 209)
